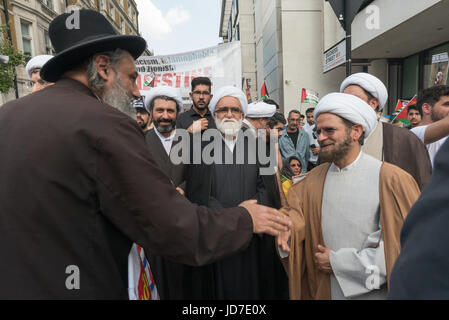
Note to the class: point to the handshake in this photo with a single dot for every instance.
(270, 221)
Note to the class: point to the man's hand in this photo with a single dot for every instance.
(180, 191)
(198, 125)
(266, 220)
(322, 259)
(316, 151)
(282, 240)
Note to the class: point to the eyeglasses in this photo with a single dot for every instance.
(223, 110)
(295, 165)
(199, 93)
(30, 84)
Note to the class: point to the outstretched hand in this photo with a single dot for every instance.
(266, 220)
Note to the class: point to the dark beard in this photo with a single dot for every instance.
(143, 125)
(339, 151)
(200, 108)
(434, 117)
(164, 128)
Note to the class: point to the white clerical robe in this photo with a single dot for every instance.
(351, 229)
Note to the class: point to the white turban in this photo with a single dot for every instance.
(348, 107)
(36, 62)
(163, 91)
(260, 109)
(370, 83)
(229, 91)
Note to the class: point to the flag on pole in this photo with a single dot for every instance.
(264, 92)
(309, 96)
(400, 112)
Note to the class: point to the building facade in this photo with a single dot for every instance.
(403, 42)
(237, 24)
(30, 19)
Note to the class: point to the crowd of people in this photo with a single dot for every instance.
(130, 198)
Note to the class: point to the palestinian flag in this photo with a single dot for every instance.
(309, 96)
(149, 82)
(400, 112)
(264, 92)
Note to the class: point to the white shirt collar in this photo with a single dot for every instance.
(166, 141)
(251, 127)
(334, 168)
(230, 143)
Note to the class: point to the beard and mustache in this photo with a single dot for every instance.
(229, 126)
(166, 128)
(338, 152)
(119, 98)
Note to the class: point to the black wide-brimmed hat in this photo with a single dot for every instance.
(76, 40)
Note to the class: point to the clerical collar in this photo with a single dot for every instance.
(250, 125)
(334, 168)
(170, 137)
(230, 143)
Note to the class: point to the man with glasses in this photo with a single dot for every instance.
(295, 142)
(347, 213)
(199, 114)
(220, 185)
(33, 69)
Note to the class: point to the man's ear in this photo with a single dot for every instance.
(374, 103)
(426, 108)
(103, 66)
(357, 131)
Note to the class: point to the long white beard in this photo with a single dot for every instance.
(230, 127)
(119, 98)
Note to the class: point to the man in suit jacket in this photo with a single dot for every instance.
(92, 187)
(164, 104)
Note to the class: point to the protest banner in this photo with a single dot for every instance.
(222, 64)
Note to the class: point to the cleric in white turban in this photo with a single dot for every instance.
(373, 88)
(259, 112)
(387, 142)
(347, 213)
(33, 69)
(229, 91)
(163, 91)
(348, 107)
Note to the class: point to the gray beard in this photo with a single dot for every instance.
(119, 98)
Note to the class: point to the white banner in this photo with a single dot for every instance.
(222, 64)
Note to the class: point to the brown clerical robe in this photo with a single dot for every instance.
(398, 191)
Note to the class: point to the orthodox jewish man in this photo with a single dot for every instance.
(347, 213)
(93, 188)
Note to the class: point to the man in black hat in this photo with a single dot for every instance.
(92, 186)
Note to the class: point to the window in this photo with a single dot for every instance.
(47, 44)
(48, 3)
(26, 37)
(102, 4)
(112, 11)
(122, 25)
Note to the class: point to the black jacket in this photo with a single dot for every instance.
(78, 187)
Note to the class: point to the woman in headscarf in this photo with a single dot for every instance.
(290, 169)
